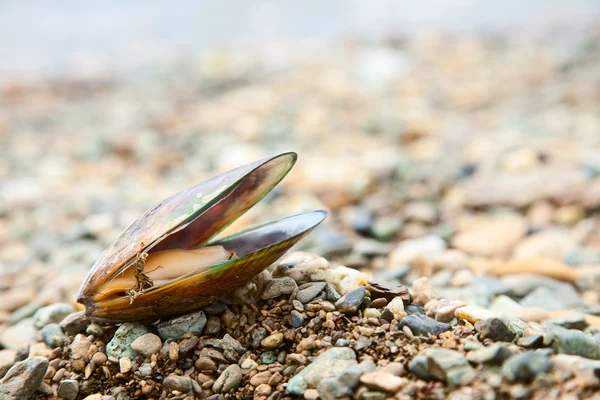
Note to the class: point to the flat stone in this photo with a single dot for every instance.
(216, 308)
(408, 251)
(54, 313)
(574, 342)
(68, 389)
(278, 287)
(383, 381)
(418, 367)
(74, 323)
(7, 360)
(491, 236)
(531, 341)
(495, 354)
(182, 384)
(80, 347)
(539, 266)
(177, 327)
(23, 379)
(272, 341)
(309, 292)
(229, 380)
(331, 363)
(526, 366)
(422, 325)
(449, 366)
(53, 335)
(120, 344)
(296, 319)
(351, 301)
(495, 329)
(443, 310)
(147, 344)
(573, 320)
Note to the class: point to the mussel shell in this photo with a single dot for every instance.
(203, 211)
(258, 248)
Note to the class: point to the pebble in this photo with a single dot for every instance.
(449, 366)
(385, 229)
(418, 366)
(296, 319)
(310, 291)
(229, 380)
(491, 236)
(422, 291)
(383, 381)
(68, 389)
(22, 333)
(330, 363)
(120, 344)
(408, 251)
(526, 366)
(177, 327)
(504, 305)
(74, 323)
(263, 390)
(473, 314)
(53, 313)
(215, 308)
(278, 287)
(351, 301)
(572, 320)
(7, 360)
(272, 341)
(531, 341)
(345, 279)
(443, 309)
(125, 365)
(422, 325)
(53, 335)
(538, 266)
(182, 384)
(495, 354)
(80, 347)
(496, 330)
(213, 326)
(147, 344)
(574, 342)
(331, 293)
(396, 307)
(388, 291)
(23, 379)
(299, 266)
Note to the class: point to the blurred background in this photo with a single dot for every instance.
(410, 119)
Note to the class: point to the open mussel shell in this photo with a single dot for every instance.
(257, 249)
(188, 221)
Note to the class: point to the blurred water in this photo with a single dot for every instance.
(67, 35)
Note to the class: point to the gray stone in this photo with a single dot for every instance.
(414, 308)
(74, 323)
(309, 291)
(449, 366)
(229, 343)
(386, 228)
(531, 341)
(422, 325)
(543, 292)
(331, 293)
(177, 327)
(120, 344)
(524, 367)
(328, 364)
(54, 313)
(213, 326)
(23, 379)
(362, 343)
(229, 380)
(349, 303)
(574, 342)
(68, 389)
(296, 319)
(573, 320)
(278, 287)
(495, 354)
(53, 335)
(257, 335)
(496, 330)
(443, 310)
(216, 308)
(418, 367)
